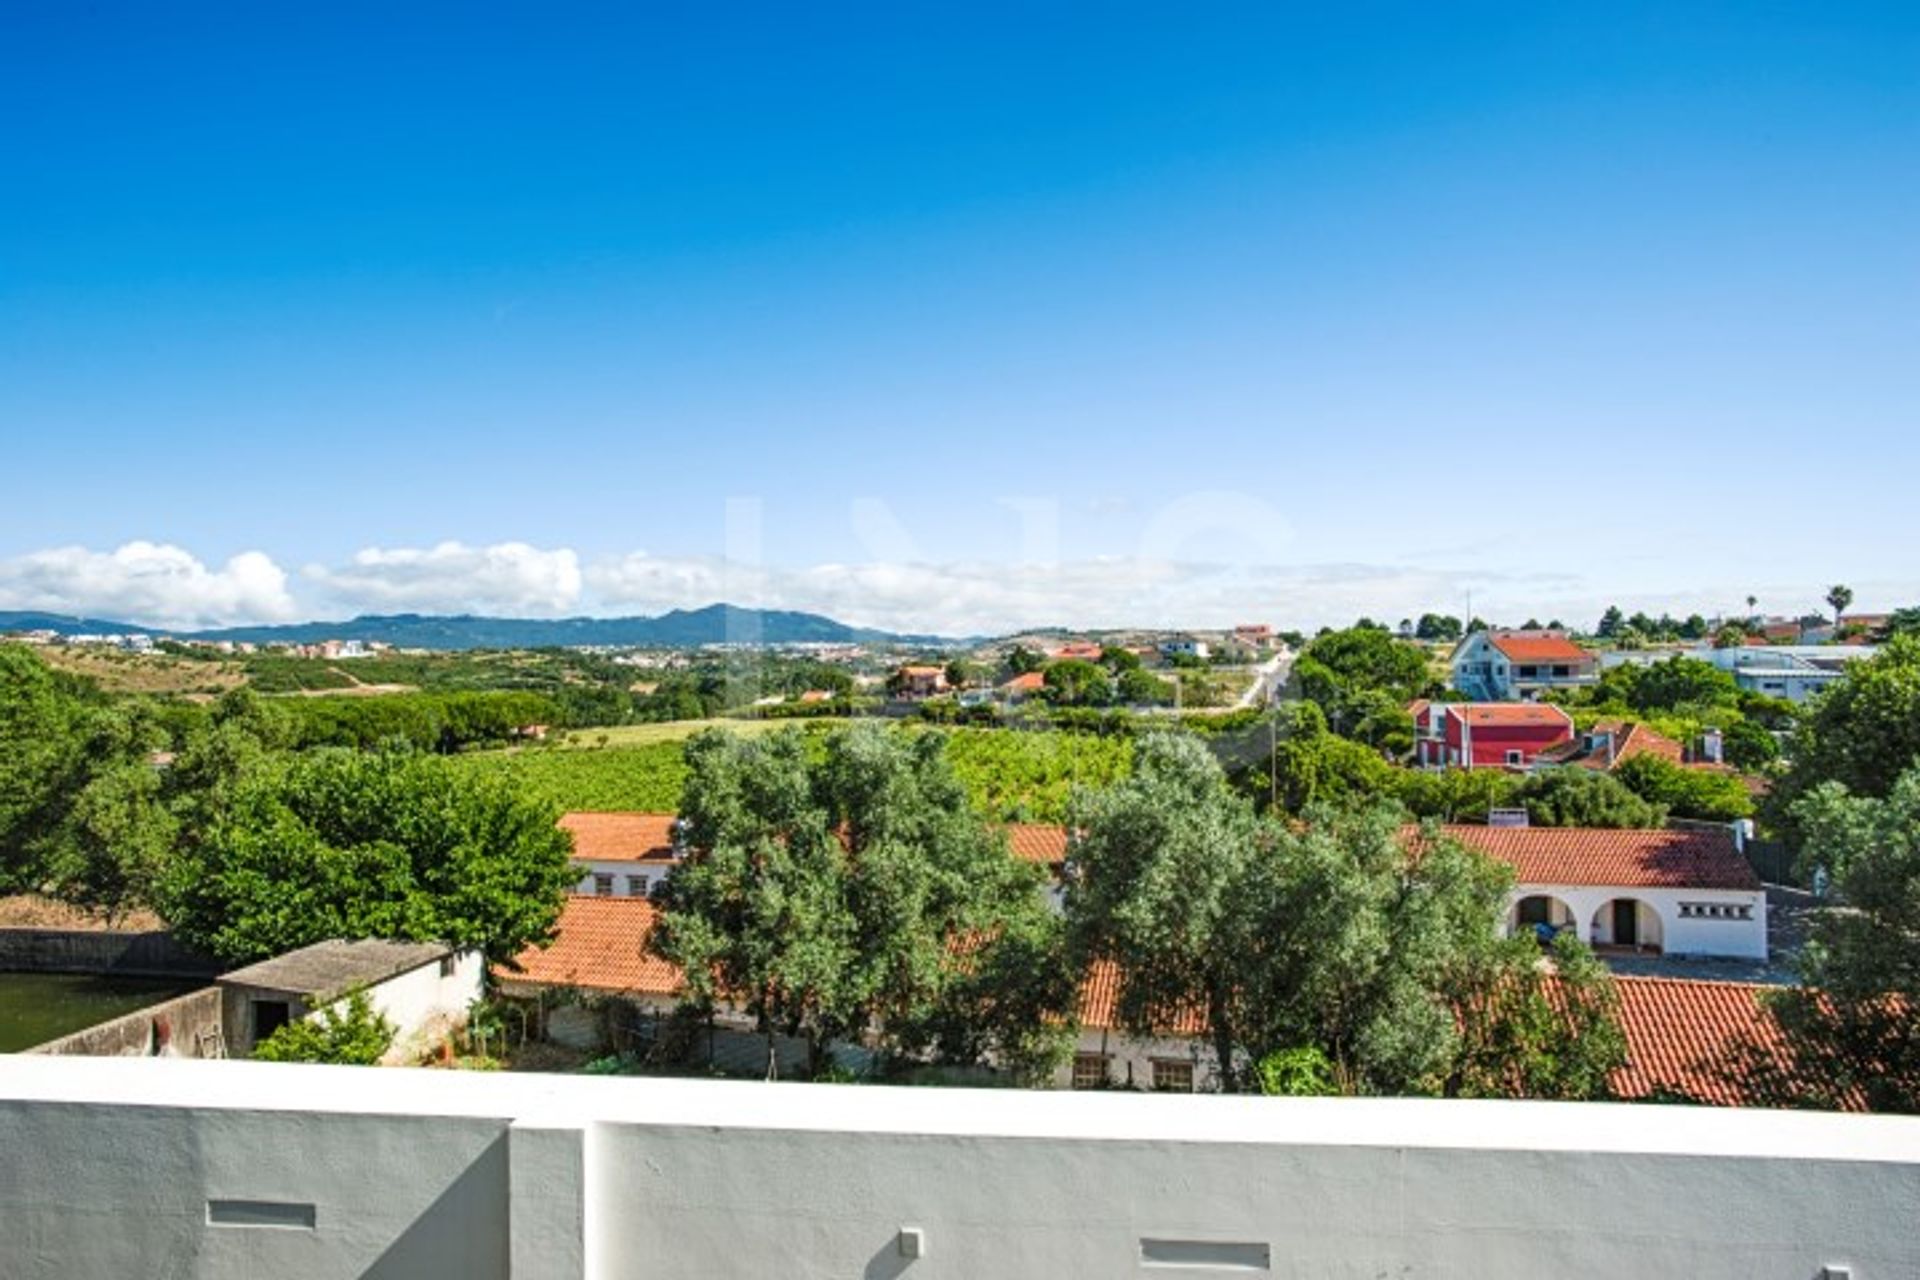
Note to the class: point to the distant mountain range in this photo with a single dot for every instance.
(679, 629)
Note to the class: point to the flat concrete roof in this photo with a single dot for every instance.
(327, 970)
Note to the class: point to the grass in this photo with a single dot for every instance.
(646, 735)
(144, 673)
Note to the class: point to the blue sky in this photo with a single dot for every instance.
(959, 318)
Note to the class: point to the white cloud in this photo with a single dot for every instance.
(506, 578)
(152, 584)
(978, 597)
(164, 586)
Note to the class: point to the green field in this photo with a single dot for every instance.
(1012, 776)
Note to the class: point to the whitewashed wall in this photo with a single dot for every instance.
(423, 1003)
(1678, 934)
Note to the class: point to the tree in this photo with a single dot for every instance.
(962, 673)
(1610, 622)
(856, 893)
(1336, 953)
(1542, 1032)
(1575, 797)
(1077, 683)
(1021, 660)
(1681, 681)
(355, 844)
(1312, 766)
(1685, 793)
(1850, 1030)
(1138, 687)
(350, 1032)
(956, 953)
(1455, 795)
(1347, 673)
(1119, 660)
(1862, 733)
(1163, 860)
(1731, 635)
(1435, 626)
(82, 815)
(1748, 746)
(1838, 598)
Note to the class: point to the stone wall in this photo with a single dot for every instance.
(184, 1027)
(154, 954)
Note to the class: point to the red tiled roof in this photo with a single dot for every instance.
(1679, 1030)
(1037, 842)
(1099, 1003)
(1029, 682)
(599, 944)
(620, 837)
(1538, 646)
(1632, 740)
(1509, 713)
(1631, 858)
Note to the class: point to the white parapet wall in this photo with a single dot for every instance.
(121, 1167)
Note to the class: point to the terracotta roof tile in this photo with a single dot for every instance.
(1026, 682)
(1510, 713)
(620, 837)
(1631, 858)
(1538, 646)
(1678, 1031)
(1036, 842)
(1099, 1003)
(600, 944)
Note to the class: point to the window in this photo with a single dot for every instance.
(1173, 1075)
(636, 886)
(1513, 756)
(1562, 671)
(1089, 1070)
(1526, 672)
(448, 965)
(602, 884)
(1716, 911)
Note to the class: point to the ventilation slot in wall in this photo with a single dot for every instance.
(1209, 1255)
(282, 1215)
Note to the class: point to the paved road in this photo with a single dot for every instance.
(1271, 675)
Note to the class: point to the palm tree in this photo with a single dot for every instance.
(1838, 598)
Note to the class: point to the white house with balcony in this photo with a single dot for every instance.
(624, 855)
(1653, 891)
(1509, 666)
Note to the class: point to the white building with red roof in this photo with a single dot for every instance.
(1506, 665)
(622, 854)
(1677, 891)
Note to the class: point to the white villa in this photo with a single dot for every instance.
(1663, 891)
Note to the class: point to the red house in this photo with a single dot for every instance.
(1486, 735)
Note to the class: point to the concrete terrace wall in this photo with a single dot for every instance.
(176, 1028)
(222, 1169)
(153, 954)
